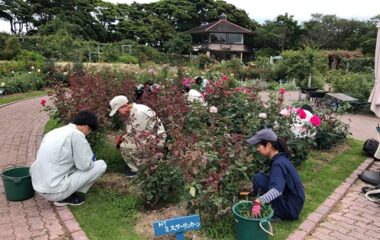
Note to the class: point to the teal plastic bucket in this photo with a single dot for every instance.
(251, 228)
(17, 183)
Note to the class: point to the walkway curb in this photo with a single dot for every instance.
(70, 223)
(314, 218)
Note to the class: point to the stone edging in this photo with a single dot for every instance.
(70, 223)
(314, 218)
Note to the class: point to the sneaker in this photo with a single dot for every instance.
(130, 174)
(73, 200)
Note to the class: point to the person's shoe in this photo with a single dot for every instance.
(73, 200)
(130, 174)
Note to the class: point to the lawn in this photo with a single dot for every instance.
(19, 96)
(109, 214)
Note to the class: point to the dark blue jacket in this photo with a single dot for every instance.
(285, 178)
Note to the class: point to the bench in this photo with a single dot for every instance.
(336, 99)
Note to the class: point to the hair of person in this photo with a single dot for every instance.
(199, 80)
(307, 107)
(279, 145)
(86, 118)
(186, 88)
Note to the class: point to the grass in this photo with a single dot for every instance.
(110, 215)
(19, 96)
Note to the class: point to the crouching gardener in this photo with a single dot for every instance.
(142, 127)
(65, 163)
(283, 188)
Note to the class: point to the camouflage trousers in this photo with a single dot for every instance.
(134, 156)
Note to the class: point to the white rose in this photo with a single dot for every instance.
(263, 115)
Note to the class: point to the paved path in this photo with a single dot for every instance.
(21, 127)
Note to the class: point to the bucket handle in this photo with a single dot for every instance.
(270, 232)
(15, 180)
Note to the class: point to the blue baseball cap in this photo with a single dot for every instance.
(264, 134)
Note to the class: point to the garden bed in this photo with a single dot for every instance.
(317, 171)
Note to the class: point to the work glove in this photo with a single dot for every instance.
(256, 209)
(118, 141)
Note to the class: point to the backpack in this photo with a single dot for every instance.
(370, 146)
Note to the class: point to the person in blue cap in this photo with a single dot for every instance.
(282, 188)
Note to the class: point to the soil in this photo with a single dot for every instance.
(116, 182)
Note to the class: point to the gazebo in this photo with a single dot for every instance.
(221, 39)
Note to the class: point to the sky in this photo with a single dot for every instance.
(261, 10)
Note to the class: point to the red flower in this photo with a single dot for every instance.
(301, 113)
(224, 78)
(43, 102)
(315, 120)
(281, 90)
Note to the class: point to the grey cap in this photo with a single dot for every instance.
(264, 134)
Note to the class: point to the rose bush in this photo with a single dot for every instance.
(206, 159)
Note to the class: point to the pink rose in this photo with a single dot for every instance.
(213, 109)
(301, 113)
(315, 120)
(285, 112)
(281, 90)
(43, 102)
(186, 82)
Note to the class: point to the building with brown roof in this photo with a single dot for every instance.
(221, 39)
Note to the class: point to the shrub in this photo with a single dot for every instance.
(358, 85)
(160, 182)
(128, 59)
(299, 65)
(29, 59)
(358, 64)
(331, 132)
(23, 82)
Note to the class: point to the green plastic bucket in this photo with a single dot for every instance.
(251, 228)
(17, 183)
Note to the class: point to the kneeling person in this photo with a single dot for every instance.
(65, 163)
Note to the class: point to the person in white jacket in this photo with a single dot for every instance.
(65, 163)
(141, 126)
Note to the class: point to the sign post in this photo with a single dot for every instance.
(177, 226)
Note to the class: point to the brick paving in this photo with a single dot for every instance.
(21, 127)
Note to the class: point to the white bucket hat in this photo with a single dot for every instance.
(116, 103)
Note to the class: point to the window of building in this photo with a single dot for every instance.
(229, 38)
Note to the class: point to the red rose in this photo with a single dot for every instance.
(43, 102)
(281, 90)
(315, 120)
(301, 113)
